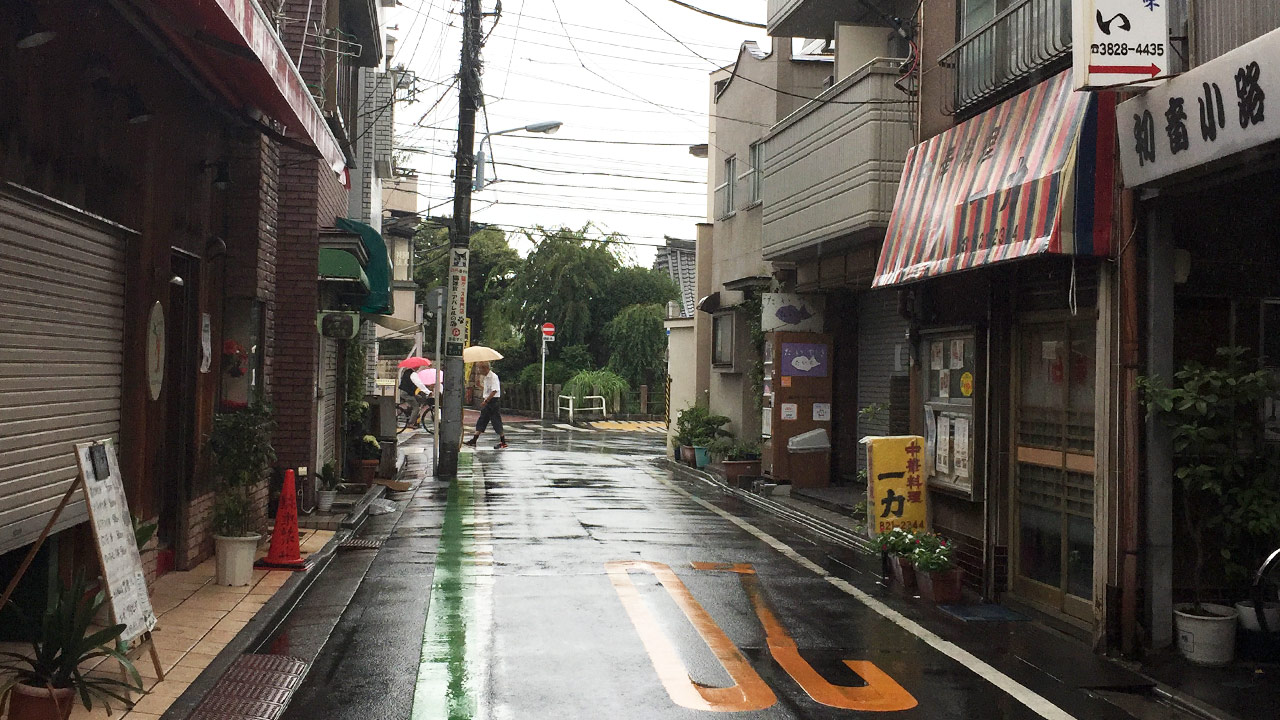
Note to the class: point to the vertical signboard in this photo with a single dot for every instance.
(895, 483)
(1119, 43)
(455, 329)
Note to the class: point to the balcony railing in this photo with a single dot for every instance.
(831, 168)
(1027, 38)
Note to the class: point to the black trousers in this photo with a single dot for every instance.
(490, 412)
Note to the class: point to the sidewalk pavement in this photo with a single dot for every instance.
(1163, 686)
(197, 619)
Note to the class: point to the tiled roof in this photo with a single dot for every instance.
(678, 260)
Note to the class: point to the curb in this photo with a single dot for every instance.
(834, 533)
(264, 624)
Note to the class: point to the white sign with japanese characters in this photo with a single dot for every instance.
(455, 328)
(1214, 111)
(1119, 42)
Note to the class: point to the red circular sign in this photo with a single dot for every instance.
(548, 329)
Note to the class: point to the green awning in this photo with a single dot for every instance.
(378, 270)
(341, 265)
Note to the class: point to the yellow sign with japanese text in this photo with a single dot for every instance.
(895, 483)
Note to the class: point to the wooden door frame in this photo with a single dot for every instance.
(1034, 593)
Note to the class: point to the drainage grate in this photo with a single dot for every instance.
(257, 687)
(360, 544)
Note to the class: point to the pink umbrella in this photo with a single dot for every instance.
(414, 362)
(428, 376)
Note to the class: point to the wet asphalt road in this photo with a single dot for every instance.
(573, 576)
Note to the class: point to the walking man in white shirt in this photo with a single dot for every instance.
(489, 410)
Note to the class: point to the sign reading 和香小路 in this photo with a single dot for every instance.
(1209, 113)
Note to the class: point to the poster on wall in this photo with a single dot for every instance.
(942, 455)
(791, 312)
(804, 359)
(822, 412)
(960, 447)
(787, 411)
(930, 437)
(944, 383)
(957, 354)
(935, 356)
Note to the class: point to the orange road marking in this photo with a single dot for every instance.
(880, 694)
(749, 691)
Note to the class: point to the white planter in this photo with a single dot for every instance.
(1249, 619)
(324, 500)
(235, 556)
(1206, 640)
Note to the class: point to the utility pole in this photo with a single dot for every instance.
(471, 98)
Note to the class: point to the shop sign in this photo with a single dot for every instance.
(1217, 110)
(155, 350)
(804, 359)
(1119, 42)
(895, 483)
(791, 312)
(457, 330)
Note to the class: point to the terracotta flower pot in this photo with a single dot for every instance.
(942, 588)
(367, 471)
(904, 573)
(34, 703)
(734, 469)
(686, 454)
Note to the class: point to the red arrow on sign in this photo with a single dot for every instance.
(1151, 69)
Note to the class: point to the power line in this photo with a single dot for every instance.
(718, 16)
(543, 136)
(604, 210)
(576, 187)
(424, 151)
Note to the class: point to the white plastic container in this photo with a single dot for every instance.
(235, 556)
(1206, 640)
(814, 441)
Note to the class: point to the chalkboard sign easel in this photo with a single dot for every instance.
(125, 584)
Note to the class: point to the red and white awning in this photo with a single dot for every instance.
(995, 187)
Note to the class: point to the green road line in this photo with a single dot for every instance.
(449, 672)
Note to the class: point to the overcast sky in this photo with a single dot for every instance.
(611, 75)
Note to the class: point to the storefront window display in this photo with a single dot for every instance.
(950, 381)
(240, 365)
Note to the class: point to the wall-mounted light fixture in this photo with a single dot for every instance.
(31, 32)
(215, 248)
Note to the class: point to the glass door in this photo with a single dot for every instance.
(1054, 467)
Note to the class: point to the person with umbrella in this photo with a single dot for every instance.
(489, 410)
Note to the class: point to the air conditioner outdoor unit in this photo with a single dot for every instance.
(338, 325)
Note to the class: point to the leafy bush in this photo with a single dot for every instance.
(932, 553)
(595, 382)
(733, 449)
(638, 344)
(697, 426)
(574, 358)
(557, 374)
(241, 452)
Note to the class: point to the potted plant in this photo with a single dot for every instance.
(695, 429)
(897, 544)
(46, 684)
(328, 491)
(369, 452)
(937, 576)
(1213, 413)
(241, 452)
(739, 458)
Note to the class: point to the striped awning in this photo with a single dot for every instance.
(1030, 176)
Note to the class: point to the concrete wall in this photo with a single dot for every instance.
(682, 350)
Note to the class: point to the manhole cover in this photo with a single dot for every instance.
(257, 687)
(360, 544)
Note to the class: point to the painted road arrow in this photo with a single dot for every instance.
(1151, 69)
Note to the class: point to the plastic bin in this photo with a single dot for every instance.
(814, 441)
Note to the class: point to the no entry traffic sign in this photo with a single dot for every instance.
(548, 329)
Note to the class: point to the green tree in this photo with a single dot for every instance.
(493, 267)
(638, 343)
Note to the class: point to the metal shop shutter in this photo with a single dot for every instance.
(61, 352)
(882, 356)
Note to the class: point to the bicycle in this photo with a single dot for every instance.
(411, 413)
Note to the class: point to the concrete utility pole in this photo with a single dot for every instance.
(471, 98)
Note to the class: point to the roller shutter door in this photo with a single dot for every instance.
(882, 358)
(61, 351)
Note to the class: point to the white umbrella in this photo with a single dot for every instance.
(480, 353)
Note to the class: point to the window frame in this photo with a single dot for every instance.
(726, 203)
(720, 348)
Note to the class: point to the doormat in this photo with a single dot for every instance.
(982, 613)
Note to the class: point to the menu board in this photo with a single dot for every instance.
(113, 532)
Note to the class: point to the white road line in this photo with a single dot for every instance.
(563, 426)
(1020, 692)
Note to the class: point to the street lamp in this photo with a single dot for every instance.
(548, 127)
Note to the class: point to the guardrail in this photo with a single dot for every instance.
(585, 408)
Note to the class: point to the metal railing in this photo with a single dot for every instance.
(1027, 38)
(567, 401)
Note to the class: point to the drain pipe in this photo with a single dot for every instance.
(1130, 351)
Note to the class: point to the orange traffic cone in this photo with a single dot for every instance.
(285, 553)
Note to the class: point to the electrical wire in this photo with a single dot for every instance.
(718, 16)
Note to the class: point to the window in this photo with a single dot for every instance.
(722, 340)
(1005, 45)
(725, 205)
(755, 174)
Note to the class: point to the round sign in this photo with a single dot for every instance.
(548, 329)
(966, 384)
(155, 350)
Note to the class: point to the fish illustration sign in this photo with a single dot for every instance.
(804, 359)
(791, 312)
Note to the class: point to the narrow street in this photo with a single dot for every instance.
(574, 575)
